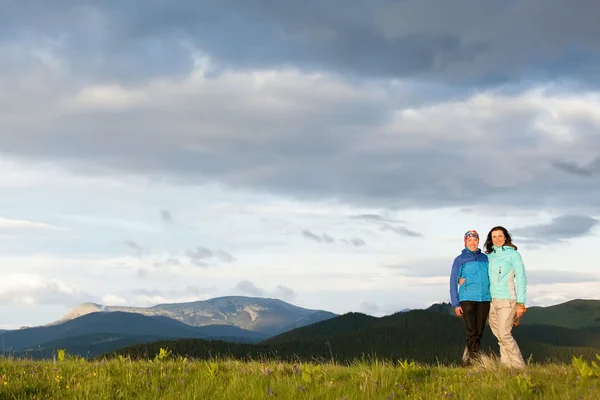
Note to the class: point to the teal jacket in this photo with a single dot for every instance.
(506, 266)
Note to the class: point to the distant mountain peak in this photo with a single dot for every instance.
(79, 311)
(265, 315)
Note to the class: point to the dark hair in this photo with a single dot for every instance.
(508, 239)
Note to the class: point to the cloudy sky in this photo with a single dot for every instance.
(330, 154)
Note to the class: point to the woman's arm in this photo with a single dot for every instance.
(453, 284)
(521, 277)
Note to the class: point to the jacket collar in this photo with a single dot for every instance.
(466, 252)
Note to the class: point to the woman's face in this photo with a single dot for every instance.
(472, 243)
(498, 238)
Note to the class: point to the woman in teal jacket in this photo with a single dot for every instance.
(508, 287)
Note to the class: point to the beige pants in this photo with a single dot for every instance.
(501, 317)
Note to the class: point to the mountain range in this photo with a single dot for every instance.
(267, 316)
(92, 329)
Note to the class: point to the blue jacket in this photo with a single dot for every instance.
(473, 266)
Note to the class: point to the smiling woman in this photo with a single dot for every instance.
(508, 284)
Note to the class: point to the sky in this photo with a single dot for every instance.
(328, 154)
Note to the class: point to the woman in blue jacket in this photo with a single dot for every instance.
(470, 293)
(508, 286)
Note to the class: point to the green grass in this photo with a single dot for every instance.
(164, 378)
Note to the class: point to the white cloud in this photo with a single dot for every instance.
(9, 326)
(18, 226)
(149, 301)
(32, 289)
(113, 300)
(371, 134)
(546, 295)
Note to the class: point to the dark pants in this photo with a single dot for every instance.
(475, 314)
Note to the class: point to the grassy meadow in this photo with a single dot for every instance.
(166, 378)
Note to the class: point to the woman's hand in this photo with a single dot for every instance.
(461, 281)
(459, 311)
(521, 309)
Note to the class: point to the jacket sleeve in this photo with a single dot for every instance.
(454, 284)
(521, 277)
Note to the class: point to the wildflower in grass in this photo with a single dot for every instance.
(62, 353)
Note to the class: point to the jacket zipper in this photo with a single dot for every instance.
(480, 280)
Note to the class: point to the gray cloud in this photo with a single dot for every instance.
(357, 242)
(375, 218)
(168, 261)
(591, 169)
(139, 250)
(203, 257)
(456, 42)
(285, 293)
(328, 238)
(45, 291)
(325, 237)
(400, 230)
(225, 256)
(282, 292)
(311, 236)
(548, 277)
(386, 224)
(166, 216)
(335, 136)
(560, 228)
(249, 288)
